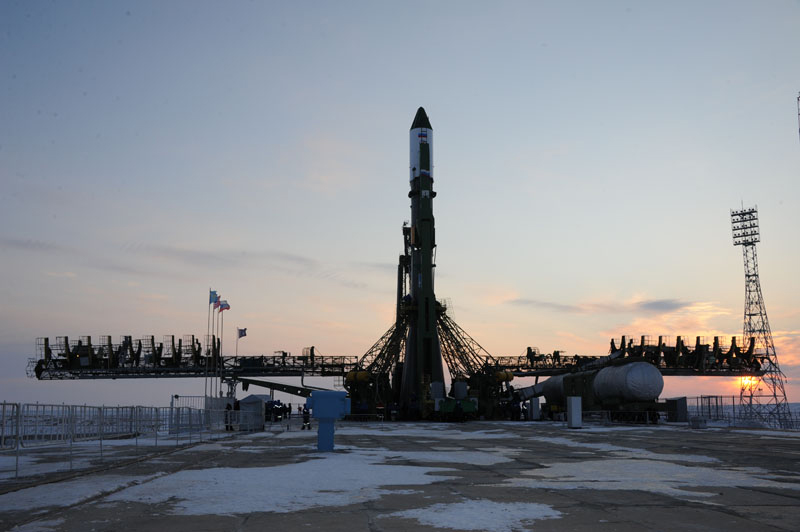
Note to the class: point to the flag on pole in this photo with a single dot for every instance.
(216, 302)
(212, 297)
(223, 305)
(242, 332)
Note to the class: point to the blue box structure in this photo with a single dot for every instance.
(326, 407)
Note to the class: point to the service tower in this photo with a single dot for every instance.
(423, 379)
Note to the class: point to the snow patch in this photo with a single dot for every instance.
(480, 514)
(68, 492)
(648, 475)
(626, 452)
(453, 457)
(770, 433)
(331, 479)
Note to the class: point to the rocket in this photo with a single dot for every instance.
(423, 376)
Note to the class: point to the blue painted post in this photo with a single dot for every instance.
(327, 407)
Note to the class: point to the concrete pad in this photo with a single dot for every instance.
(497, 476)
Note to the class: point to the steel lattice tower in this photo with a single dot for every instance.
(761, 399)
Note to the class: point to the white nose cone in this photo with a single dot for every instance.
(421, 133)
(637, 381)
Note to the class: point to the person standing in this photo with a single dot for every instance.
(228, 424)
(306, 419)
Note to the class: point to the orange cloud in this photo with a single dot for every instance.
(692, 320)
(787, 347)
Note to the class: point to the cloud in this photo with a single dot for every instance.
(630, 307)
(661, 305)
(219, 258)
(787, 347)
(128, 268)
(379, 266)
(693, 319)
(153, 260)
(276, 261)
(29, 244)
(197, 257)
(547, 305)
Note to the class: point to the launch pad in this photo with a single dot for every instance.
(645, 478)
(405, 368)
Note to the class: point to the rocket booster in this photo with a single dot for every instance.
(423, 360)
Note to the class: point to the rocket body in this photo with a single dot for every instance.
(423, 359)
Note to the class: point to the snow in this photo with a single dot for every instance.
(330, 479)
(32, 466)
(770, 433)
(68, 492)
(480, 514)
(620, 428)
(453, 457)
(648, 475)
(356, 474)
(625, 452)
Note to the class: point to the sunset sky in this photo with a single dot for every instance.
(587, 158)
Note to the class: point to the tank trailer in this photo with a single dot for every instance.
(627, 389)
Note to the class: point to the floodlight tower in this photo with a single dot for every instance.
(762, 399)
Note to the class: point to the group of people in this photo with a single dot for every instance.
(278, 412)
(274, 412)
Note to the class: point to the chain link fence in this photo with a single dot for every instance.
(725, 410)
(37, 438)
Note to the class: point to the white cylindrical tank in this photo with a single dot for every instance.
(553, 389)
(637, 381)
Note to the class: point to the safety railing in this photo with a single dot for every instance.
(727, 411)
(9, 426)
(37, 438)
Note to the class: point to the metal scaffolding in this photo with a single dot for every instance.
(762, 398)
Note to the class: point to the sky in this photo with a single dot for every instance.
(587, 158)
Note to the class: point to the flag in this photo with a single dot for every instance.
(212, 297)
(242, 332)
(223, 305)
(216, 302)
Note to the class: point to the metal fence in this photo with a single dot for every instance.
(726, 410)
(37, 438)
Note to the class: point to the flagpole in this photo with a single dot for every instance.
(212, 348)
(208, 328)
(219, 356)
(216, 329)
(237, 342)
(221, 332)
